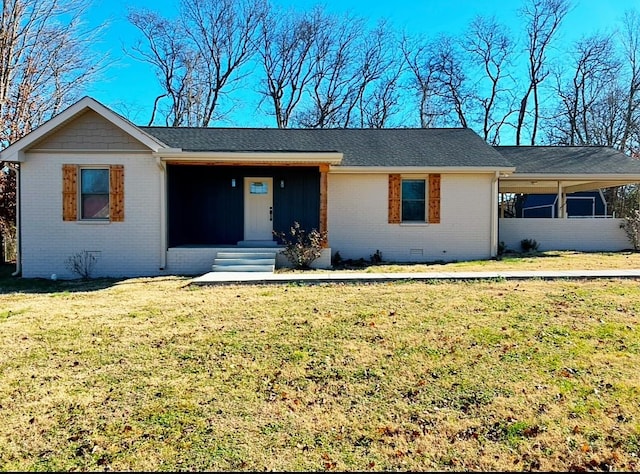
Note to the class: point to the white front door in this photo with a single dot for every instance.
(258, 208)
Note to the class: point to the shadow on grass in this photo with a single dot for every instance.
(510, 255)
(11, 284)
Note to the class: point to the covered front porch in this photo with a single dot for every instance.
(216, 209)
(228, 205)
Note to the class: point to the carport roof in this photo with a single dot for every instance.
(569, 160)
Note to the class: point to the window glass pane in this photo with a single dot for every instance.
(413, 211)
(413, 189)
(413, 200)
(95, 206)
(94, 200)
(258, 188)
(95, 181)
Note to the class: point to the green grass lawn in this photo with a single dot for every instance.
(157, 374)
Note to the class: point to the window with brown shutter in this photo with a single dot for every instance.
(93, 193)
(414, 199)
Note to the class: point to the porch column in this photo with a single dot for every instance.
(163, 212)
(324, 169)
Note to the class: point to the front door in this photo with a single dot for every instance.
(258, 209)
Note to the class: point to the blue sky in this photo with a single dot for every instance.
(129, 86)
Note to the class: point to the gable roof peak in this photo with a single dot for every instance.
(15, 151)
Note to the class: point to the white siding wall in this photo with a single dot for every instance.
(128, 248)
(358, 220)
(581, 234)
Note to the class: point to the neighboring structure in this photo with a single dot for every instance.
(156, 200)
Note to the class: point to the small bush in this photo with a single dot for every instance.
(376, 258)
(301, 247)
(336, 260)
(82, 264)
(529, 245)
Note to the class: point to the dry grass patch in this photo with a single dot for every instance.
(154, 374)
(551, 260)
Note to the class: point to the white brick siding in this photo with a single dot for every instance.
(128, 248)
(358, 220)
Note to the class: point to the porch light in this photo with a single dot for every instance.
(282, 183)
(233, 182)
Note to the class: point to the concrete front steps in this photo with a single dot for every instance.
(245, 260)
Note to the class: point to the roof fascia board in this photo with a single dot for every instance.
(176, 155)
(421, 169)
(15, 152)
(573, 177)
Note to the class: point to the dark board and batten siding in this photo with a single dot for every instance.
(204, 208)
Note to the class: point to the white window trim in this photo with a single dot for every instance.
(425, 178)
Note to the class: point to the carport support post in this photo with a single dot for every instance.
(324, 169)
(562, 201)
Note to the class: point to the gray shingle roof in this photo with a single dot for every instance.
(570, 160)
(360, 147)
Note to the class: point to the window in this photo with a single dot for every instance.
(258, 188)
(94, 193)
(413, 200)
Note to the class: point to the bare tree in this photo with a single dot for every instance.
(45, 61)
(335, 82)
(418, 58)
(198, 57)
(285, 44)
(438, 75)
(491, 49)
(384, 101)
(451, 78)
(174, 64)
(594, 69)
(543, 19)
(224, 34)
(378, 68)
(631, 45)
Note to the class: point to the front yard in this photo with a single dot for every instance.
(156, 374)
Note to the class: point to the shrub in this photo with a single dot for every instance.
(376, 257)
(81, 264)
(336, 259)
(529, 245)
(631, 226)
(301, 247)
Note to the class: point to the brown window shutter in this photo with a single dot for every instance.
(69, 192)
(394, 199)
(434, 199)
(116, 193)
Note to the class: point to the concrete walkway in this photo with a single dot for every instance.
(319, 276)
